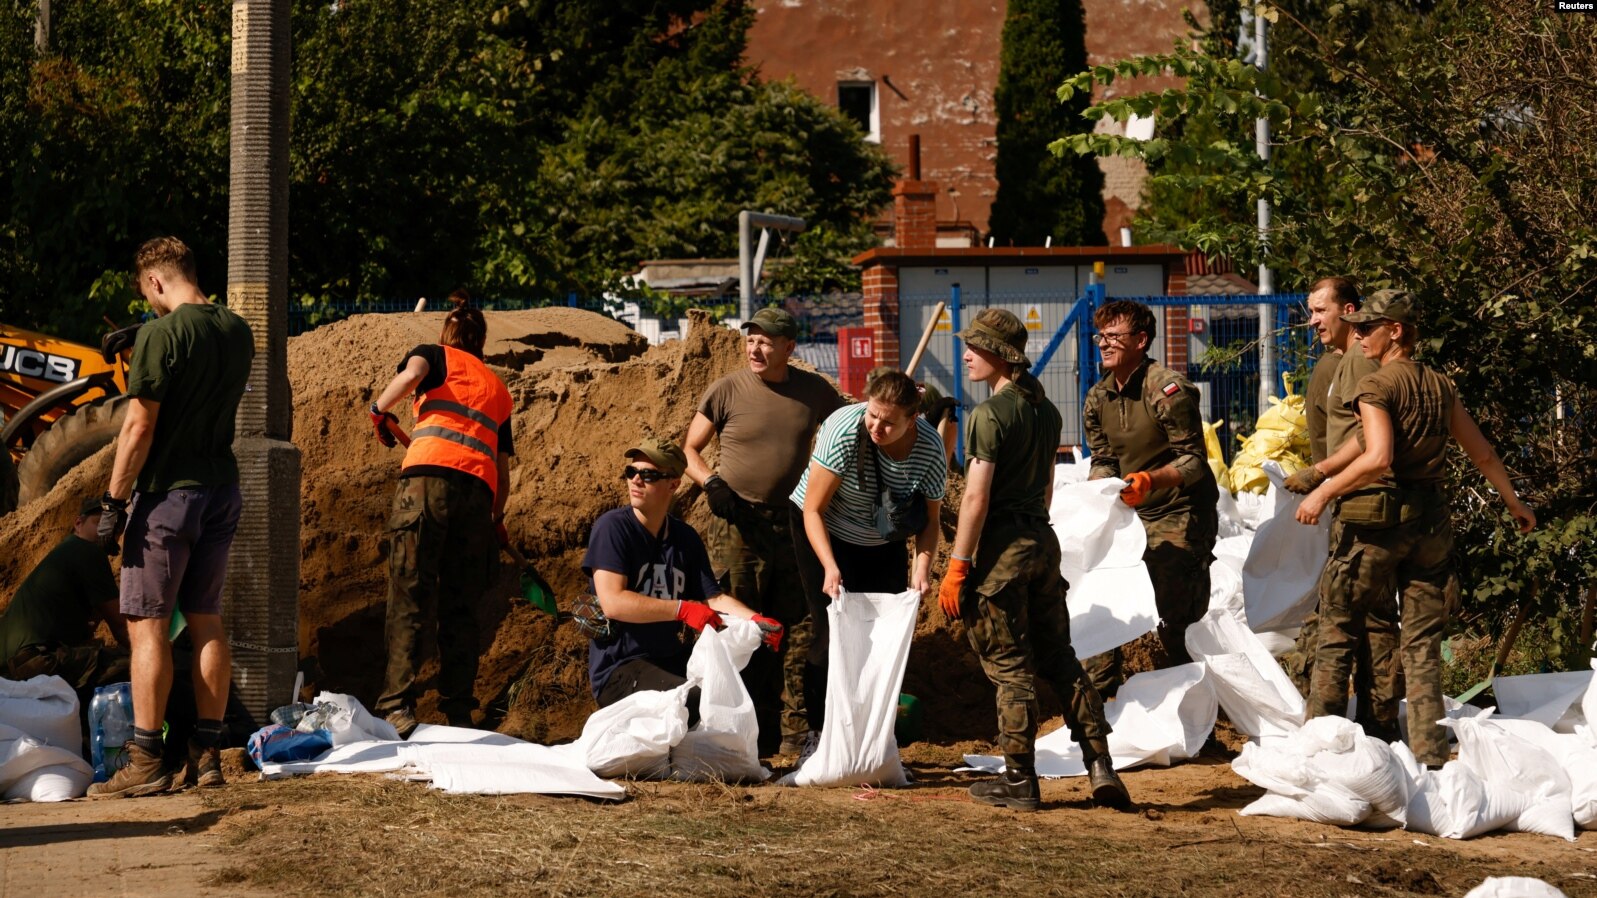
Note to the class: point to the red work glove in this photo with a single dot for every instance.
(380, 422)
(1138, 486)
(770, 631)
(697, 615)
(953, 585)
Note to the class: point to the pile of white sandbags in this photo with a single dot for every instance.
(41, 741)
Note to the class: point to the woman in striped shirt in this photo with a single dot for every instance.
(862, 449)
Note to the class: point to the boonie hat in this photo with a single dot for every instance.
(666, 455)
(999, 332)
(89, 505)
(775, 321)
(1387, 305)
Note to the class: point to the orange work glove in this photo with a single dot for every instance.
(1138, 486)
(953, 585)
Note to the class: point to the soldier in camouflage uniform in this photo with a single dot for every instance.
(1143, 425)
(1003, 577)
(1397, 536)
(1332, 423)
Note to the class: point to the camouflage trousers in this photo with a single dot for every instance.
(1377, 676)
(1180, 549)
(1367, 567)
(754, 561)
(441, 558)
(1015, 615)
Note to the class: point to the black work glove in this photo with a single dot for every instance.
(724, 501)
(113, 519)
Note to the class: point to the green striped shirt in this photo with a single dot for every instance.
(851, 515)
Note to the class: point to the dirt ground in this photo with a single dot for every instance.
(368, 835)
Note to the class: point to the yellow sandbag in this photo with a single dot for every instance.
(1281, 436)
(1211, 445)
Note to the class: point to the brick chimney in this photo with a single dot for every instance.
(915, 206)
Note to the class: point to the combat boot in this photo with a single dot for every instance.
(1014, 789)
(145, 774)
(1107, 789)
(204, 769)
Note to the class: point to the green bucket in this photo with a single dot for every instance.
(911, 723)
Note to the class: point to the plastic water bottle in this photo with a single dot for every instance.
(110, 728)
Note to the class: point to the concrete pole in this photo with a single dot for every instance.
(261, 596)
(1261, 134)
(748, 268)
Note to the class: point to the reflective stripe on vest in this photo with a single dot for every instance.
(457, 422)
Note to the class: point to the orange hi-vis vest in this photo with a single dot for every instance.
(457, 423)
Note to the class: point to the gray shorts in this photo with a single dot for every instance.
(174, 552)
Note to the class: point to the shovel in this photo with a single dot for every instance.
(534, 588)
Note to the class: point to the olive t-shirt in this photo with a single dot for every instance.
(1341, 420)
(1420, 403)
(1017, 430)
(54, 604)
(1319, 393)
(766, 429)
(194, 361)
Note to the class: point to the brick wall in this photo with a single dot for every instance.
(1175, 321)
(915, 214)
(881, 311)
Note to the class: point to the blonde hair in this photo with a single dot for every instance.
(168, 255)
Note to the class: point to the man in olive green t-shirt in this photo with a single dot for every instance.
(174, 487)
(1003, 577)
(764, 419)
(48, 629)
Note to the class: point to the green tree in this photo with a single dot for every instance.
(1041, 194)
(1436, 147)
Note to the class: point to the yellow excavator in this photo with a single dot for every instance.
(61, 402)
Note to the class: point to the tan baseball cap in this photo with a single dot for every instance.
(666, 455)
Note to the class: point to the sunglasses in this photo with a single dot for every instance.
(1365, 328)
(1106, 337)
(649, 475)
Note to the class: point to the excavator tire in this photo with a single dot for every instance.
(73, 438)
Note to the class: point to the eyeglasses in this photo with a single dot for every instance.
(1107, 337)
(649, 475)
(1364, 328)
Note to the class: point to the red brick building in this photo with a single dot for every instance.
(929, 67)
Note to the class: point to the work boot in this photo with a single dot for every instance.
(204, 769)
(403, 720)
(1107, 789)
(144, 774)
(1011, 789)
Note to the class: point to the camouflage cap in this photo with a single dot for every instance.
(666, 455)
(1387, 305)
(776, 321)
(999, 332)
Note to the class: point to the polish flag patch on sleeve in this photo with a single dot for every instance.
(1170, 389)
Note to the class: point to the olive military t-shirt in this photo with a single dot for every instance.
(1017, 430)
(54, 604)
(1151, 422)
(1341, 420)
(766, 429)
(1314, 408)
(194, 361)
(1420, 403)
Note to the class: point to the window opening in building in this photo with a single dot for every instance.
(857, 100)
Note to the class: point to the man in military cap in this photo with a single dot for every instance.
(1003, 576)
(765, 418)
(653, 582)
(1143, 426)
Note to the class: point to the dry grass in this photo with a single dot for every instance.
(346, 835)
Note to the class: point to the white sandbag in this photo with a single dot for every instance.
(34, 771)
(633, 737)
(1328, 771)
(1545, 698)
(1281, 576)
(1279, 642)
(44, 707)
(1588, 707)
(523, 768)
(1330, 805)
(1102, 541)
(1254, 509)
(351, 722)
(1159, 717)
(1230, 517)
(868, 650)
(1514, 887)
(724, 745)
(1251, 686)
(1225, 585)
(1504, 760)
(1572, 752)
(1455, 803)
